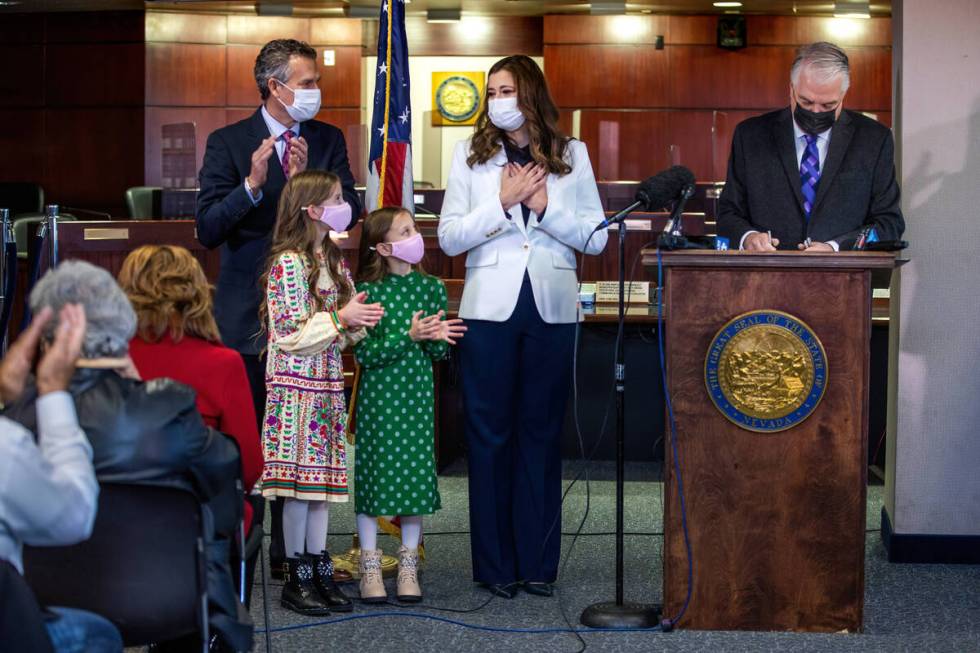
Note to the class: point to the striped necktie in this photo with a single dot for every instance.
(809, 173)
(287, 136)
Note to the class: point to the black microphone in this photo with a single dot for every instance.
(673, 234)
(655, 192)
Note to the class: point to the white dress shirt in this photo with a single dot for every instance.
(48, 491)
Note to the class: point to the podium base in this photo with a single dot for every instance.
(627, 615)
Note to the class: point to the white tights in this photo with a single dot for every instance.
(305, 523)
(367, 531)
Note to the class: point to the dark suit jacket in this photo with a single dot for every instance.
(857, 185)
(227, 219)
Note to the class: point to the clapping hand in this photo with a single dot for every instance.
(358, 314)
(434, 327)
(298, 153)
(57, 366)
(16, 364)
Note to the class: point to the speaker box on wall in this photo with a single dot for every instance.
(731, 32)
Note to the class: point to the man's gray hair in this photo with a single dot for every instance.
(823, 59)
(273, 61)
(110, 319)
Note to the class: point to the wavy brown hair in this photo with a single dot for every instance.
(548, 144)
(371, 266)
(169, 292)
(296, 232)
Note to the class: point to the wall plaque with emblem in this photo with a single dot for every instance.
(456, 97)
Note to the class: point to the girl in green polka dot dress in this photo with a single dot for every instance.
(395, 471)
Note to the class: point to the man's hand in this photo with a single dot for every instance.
(760, 242)
(815, 247)
(17, 364)
(55, 370)
(260, 164)
(298, 152)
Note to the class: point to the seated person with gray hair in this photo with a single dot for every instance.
(147, 432)
(48, 491)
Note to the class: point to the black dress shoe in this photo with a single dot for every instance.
(504, 591)
(324, 583)
(539, 588)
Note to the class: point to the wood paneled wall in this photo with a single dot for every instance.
(199, 69)
(679, 105)
(71, 105)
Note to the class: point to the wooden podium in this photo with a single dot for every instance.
(776, 515)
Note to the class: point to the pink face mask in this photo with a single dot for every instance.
(409, 250)
(335, 216)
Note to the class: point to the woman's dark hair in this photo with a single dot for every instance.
(548, 144)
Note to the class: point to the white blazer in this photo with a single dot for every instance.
(499, 250)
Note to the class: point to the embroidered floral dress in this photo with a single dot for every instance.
(303, 436)
(395, 473)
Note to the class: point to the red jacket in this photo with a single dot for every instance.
(217, 374)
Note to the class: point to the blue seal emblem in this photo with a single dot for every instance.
(766, 371)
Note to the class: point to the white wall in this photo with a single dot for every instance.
(428, 142)
(933, 474)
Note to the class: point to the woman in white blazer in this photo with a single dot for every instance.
(521, 200)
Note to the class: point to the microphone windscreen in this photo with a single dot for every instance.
(663, 188)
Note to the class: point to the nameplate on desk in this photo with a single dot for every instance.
(606, 309)
(113, 233)
(634, 225)
(637, 292)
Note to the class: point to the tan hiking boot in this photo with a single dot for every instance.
(409, 589)
(372, 584)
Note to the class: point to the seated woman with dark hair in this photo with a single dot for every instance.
(144, 432)
(177, 338)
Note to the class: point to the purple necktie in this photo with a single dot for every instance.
(809, 173)
(286, 136)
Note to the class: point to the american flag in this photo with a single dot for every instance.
(390, 160)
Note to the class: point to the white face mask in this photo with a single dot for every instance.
(505, 114)
(306, 103)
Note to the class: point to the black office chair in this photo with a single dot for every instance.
(143, 568)
(21, 197)
(21, 621)
(144, 202)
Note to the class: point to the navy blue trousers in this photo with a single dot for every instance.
(516, 378)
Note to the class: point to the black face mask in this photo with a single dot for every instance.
(814, 123)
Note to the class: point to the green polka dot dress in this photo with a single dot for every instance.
(395, 471)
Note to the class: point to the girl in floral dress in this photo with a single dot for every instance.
(395, 470)
(311, 312)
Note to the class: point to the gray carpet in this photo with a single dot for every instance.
(907, 607)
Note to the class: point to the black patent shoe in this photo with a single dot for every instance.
(298, 593)
(539, 588)
(329, 591)
(504, 591)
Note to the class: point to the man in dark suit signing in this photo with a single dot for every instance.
(812, 176)
(246, 165)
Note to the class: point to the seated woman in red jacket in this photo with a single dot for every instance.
(177, 338)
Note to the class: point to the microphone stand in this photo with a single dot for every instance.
(620, 613)
(673, 235)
